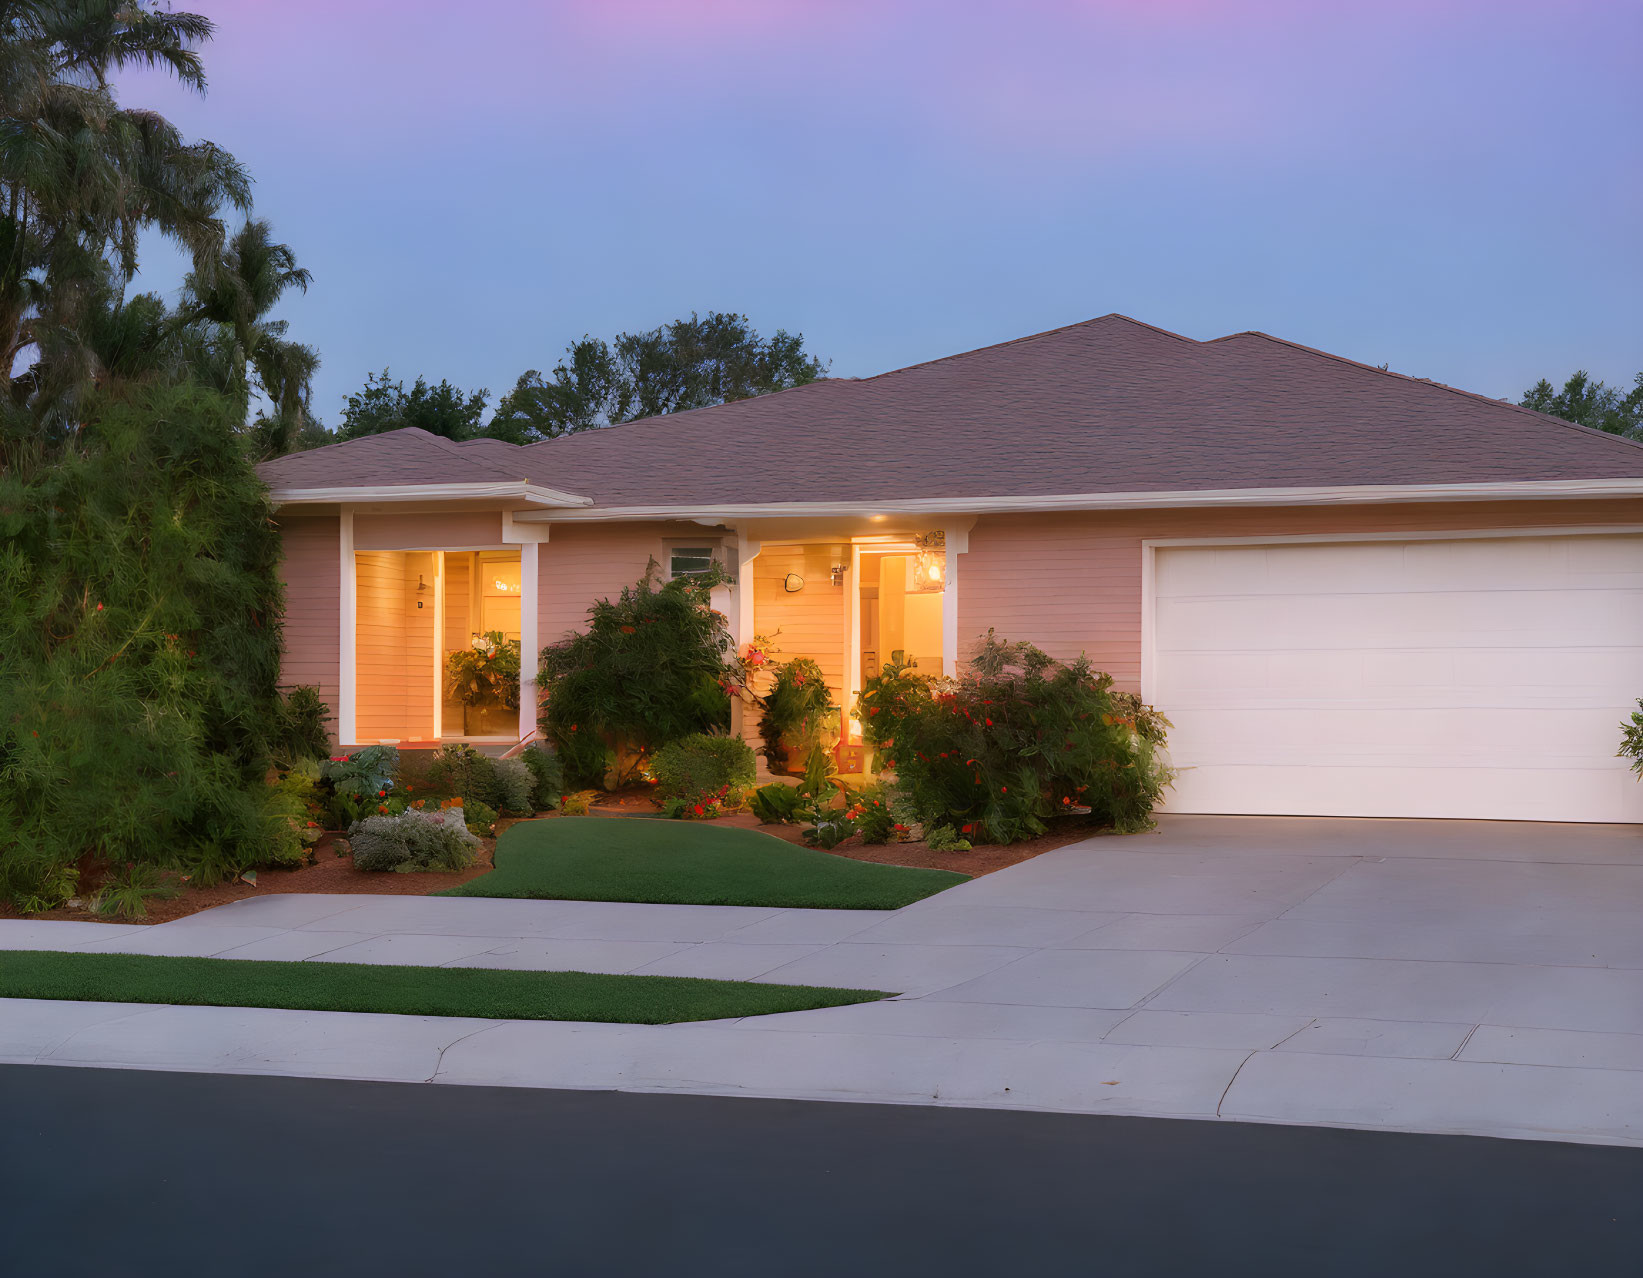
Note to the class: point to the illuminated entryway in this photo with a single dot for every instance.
(413, 610)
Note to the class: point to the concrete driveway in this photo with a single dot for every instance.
(1433, 976)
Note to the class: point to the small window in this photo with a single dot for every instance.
(690, 561)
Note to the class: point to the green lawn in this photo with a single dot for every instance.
(680, 862)
(411, 991)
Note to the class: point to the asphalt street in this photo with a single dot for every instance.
(122, 1172)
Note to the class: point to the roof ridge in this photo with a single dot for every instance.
(688, 412)
(1033, 337)
(1427, 381)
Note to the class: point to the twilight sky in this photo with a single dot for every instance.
(1454, 188)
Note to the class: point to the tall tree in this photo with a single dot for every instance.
(243, 352)
(385, 404)
(690, 363)
(82, 177)
(1588, 402)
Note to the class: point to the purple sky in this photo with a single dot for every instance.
(1453, 188)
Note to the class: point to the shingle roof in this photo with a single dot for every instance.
(1107, 406)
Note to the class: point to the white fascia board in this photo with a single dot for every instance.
(1357, 494)
(532, 494)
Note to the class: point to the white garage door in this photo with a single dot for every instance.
(1456, 678)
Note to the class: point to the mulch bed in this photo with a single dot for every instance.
(333, 872)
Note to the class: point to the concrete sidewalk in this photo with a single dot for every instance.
(1430, 976)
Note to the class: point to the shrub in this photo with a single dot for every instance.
(126, 893)
(303, 728)
(578, 804)
(460, 770)
(776, 804)
(874, 820)
(943, 838)
(1020, 738)
(480, 817)
(296, 811)
(140, 638)
(701, 807)
(548, 775)
(654, 665)
(699, 763)
(413, 840)
(357, 783)
(1631, 740)
(515, 786)
(798, 713)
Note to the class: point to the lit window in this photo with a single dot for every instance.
(690, 561)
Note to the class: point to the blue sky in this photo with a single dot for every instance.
(1452, 188)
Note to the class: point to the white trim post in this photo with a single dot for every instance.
(347, 631)
(529, 647)
(957, 538)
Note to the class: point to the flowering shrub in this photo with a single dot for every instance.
(358, 783)
(414, 840)
(1018, 739)
(798, 713)
(870, 811)
(703, 807)
(654, 665)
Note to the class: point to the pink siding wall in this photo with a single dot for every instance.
(452, 530)
(1071, 582)
(580, 563)
(312, 571)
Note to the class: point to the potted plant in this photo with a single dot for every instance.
(485, 679)
(799, 716)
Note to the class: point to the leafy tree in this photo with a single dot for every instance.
(689, 363)
(82, 177)
(139, 618)
(385, 405)
(1589, 402)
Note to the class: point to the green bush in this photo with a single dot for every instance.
(1019, 739)
(1631, 740)
(297, 813)
(303, 728)
(549, 777)
(875, 822)
(798, 712)
(515, 787)
(413, 840)
(140, 636)
(700, 764)
(357, 783)
(776, 804)
(458, 769)
(655, 664)
(480, 816)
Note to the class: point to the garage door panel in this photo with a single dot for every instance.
(1347, 677)
(1463, 619)
(1424, 678)
(1436, 737)
(1523, 794)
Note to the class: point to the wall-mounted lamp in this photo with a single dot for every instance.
(838, 574)
(792, 582)
(928, 566)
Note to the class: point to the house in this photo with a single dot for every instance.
(1353, 592)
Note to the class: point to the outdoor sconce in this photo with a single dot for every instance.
(928, 567)
(792, 582)
(838, 574)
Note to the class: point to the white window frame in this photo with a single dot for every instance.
(673, 545)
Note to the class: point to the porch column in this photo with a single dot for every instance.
(957, 537)
(529, 645)
(741, 612)
(347, 630)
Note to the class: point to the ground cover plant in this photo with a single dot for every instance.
(1019, 739)
(487, 993)
(413, 841)
(653, 665)
(639, 859)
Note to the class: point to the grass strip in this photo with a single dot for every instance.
(682, 863)
(488, 993)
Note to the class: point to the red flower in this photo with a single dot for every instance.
(967, 829)
(699, 809)
(989, 723)
(1003, 789)
(99, 607)
(629, 630)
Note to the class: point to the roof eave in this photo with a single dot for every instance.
(1354, 494)
(359, 494)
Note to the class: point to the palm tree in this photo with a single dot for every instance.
(255, 357)
(82, 177)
